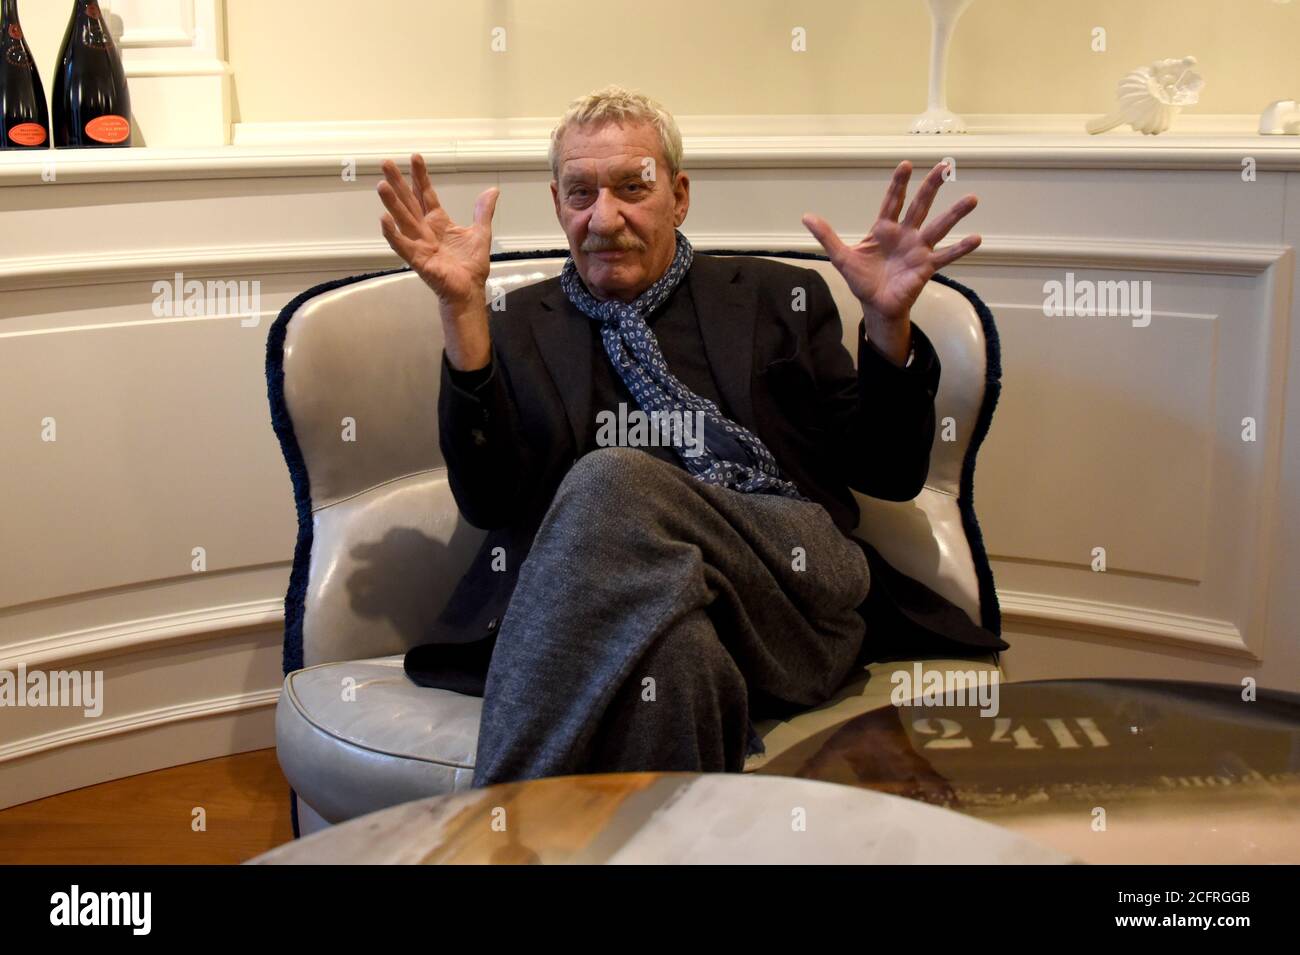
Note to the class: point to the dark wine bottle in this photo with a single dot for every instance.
(92, 107)
(24, 120)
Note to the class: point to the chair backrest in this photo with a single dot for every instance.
(353, 376)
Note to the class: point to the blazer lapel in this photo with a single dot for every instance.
(564, 338)
(726, 304)
(725, 308)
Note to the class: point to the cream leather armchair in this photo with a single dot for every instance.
(381, 543)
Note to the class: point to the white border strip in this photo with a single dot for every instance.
(487, 145)
(133, 722)
(60, 271)
(131, 636)
(1118, 620)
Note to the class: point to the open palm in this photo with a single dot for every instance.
(453, 260)
(887, 270)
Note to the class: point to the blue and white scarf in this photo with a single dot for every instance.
(733, 456)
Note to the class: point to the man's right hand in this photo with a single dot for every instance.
(453, 260)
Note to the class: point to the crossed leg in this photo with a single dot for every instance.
(651, 610)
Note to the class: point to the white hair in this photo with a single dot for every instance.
(614, 104)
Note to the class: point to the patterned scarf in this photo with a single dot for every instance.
(733, 456)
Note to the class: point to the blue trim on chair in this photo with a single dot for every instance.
(990, 610)
(282, 422)
(990, 613)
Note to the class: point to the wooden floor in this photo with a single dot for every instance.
(148, 819)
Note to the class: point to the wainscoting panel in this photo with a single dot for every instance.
(1109, 434)
(1123, 412)
(161, 706)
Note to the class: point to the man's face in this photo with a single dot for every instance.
(618, 207)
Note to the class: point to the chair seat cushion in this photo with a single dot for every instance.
(357, 736)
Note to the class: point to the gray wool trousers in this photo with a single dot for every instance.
(655, 616)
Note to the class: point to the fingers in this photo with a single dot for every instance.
(396, 241)
(400, 190)
(892, 204)
(954, 252)
(423, 185)
(485, 207)
(407, 221)
(823, 233)
(924, 198)
(941, 226)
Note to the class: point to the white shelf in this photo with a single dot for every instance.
(322, 158)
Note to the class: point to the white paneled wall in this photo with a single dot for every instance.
(1110, 434)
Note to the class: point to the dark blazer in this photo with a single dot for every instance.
(784, 374)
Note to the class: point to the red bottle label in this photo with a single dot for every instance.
(15, 31)
(92, 10)
(27, 134)
(108, 129)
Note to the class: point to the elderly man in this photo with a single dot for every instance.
(642, 604)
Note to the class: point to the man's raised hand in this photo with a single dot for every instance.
(453, 260)
(888, 269)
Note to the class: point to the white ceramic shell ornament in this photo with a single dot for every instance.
(1151, 96)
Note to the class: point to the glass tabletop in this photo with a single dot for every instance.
(1109, 770)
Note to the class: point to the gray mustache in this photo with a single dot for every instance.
(611, 245)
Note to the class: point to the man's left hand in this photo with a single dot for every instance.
(887, 270)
